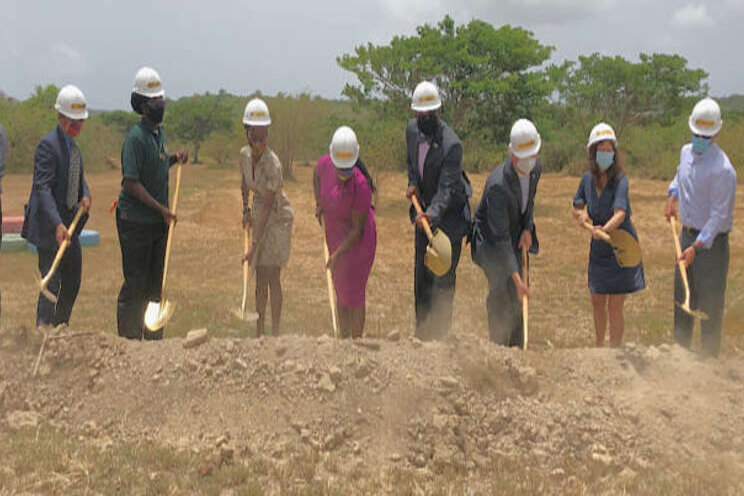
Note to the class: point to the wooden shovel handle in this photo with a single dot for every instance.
(419, 210)
(525, 304)
(246, 247)
(62, 248)
(678, 251)
(171, 226)
(605, 237)
(329, 281)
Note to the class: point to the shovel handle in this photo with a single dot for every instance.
(682, 268)
(61, 250)
(246, 247)
(425, 222)
(329, 281)
(605, 237)
(525, 304)
(171, 226)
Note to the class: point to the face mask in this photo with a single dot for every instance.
(526, 164)
(155, 114)
(428, 124)
(700, 144)
(605, 160)
(257, 148)
(74, 127)
(344, 174)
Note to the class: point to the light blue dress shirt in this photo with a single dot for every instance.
(705, 186)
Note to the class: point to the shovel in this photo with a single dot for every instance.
(242, 314)
(158, 313)
(683, 272)
(329, 280)
(438, 256)
(624, 245)
(43, 283)
(525, 311)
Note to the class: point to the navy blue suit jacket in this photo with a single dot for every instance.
(46, 206)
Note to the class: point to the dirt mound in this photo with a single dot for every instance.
(381, 415)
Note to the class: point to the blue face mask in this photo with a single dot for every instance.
(700, 144)
(605, 160)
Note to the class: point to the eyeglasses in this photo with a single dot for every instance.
(700, 136)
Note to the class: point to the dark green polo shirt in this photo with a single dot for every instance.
(144, 158)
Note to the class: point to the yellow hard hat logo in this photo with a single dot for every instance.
(524, 146)
(343, 155)
(605, 132)
(427, 98)
(77, 106)
(258, 113)
(153, 84)
(704, 123)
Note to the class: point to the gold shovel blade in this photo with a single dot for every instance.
(249, 317)
(438, 257)
(698, 314)
(157, 315)
(626, 248)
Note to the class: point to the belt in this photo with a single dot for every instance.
(695, 232)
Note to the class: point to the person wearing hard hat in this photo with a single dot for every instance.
(704, 187)
(504, 224)
(59, 190)
(602, 199)
(343, 199)
(271, 216)
(436, 178)
(142, 212)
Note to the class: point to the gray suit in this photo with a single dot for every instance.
(445, 192)
(499, 223)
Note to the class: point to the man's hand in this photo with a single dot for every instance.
(182, 156)
(671, 208)
(412, 190)
(61, 234)
(522, 289)
(580, 216)
(525, 240)
(168, 216)
(85, 204)
(687, 257)
(420, 219)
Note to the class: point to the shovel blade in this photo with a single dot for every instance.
(157, 315)
(698, 314)
(438, 257)
(249, 317)
(626, 248)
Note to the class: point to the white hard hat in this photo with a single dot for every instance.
(524, 139)
(148, 84)
(256, 113)
(601, 132)
(426, 97)
(71, 103)
(344, 148)
(706, 118)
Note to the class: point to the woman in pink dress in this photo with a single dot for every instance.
(343, 196)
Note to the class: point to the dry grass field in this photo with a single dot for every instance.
(304, 414)
(205, 276)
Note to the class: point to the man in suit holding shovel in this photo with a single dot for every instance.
(59, 190)
(436, 179)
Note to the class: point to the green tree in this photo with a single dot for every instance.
(488, 77)
(612, 89)
(193, 119)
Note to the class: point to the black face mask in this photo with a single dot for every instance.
(428, 124)
(155, 114)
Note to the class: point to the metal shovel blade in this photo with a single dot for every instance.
(157, 315)
(249, 317)
(626, 248)
(44, 291)
(698, 314)
(438, 256)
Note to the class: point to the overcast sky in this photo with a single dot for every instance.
(292, 45)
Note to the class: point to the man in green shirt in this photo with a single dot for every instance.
(142, 213)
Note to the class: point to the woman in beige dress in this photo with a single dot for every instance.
(271, 216)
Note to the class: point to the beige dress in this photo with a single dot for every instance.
(261, 180)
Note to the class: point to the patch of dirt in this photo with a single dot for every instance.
(377, 406)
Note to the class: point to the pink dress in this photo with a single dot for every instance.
(338, 199)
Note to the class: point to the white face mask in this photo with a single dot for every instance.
(526, 165)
